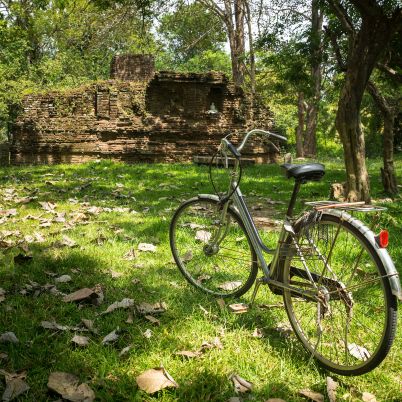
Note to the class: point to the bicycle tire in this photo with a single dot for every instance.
(357, 340)
(232, 268)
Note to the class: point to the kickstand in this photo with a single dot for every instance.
(257, 285)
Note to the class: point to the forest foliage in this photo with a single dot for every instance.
(64, 43)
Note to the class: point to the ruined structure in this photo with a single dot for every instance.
(139, 115)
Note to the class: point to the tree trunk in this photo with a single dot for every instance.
(372, 38)
(310, 138)
(251, 50)
(239, 14)
(300, 126)
(388, 174)
(233, 16)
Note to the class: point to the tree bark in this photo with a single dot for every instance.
(310, 138)
(300, 126)
(233, 16)
(373, 37)
(388, 174)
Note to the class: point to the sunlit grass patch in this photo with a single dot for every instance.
(136, 204)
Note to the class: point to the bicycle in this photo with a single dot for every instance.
(339, 285)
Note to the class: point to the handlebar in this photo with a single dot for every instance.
(236, 151)
(258, 131)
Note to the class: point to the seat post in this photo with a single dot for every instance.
(292, 202)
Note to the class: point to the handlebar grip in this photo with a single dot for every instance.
(233, 149)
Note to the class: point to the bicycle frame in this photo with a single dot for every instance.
(271, 272)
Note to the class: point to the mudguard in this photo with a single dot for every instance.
(393, 276)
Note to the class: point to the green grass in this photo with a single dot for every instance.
(277, 366)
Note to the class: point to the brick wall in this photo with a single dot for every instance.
(163, 119)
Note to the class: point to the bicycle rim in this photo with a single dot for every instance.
(224, 268)
(350, 325)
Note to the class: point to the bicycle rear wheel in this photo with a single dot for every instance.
(224, 268)
(349, 324)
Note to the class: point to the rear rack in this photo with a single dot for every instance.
(359, 206)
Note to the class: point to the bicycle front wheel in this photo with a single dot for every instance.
(213, 255)
(348, 321)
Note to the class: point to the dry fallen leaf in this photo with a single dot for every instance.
(189, 354)
(67, 241)
(66, 385)
(2, 295)
(147, 308)
(147, 247)
(275, 400)
(215, 343)
(359, 352)
(80, 340)
(53, 325)
(111, 337)
(221, 304)
(241, 385)
(63, 279)
(331, 389)
(125, 350)
(89, 324)
(81, 295)
(148, 333)
(153, 380)
(188, 256)
(368, 397)
(48, 206)
(203, 236)
(15, 385)
(115, 274)
(238, 308)
(284, 329)
(130, 255)
(314, 396)
(152, 319)
(203, 278)
(125, 303)
(8, 337)
(229, 285)
(258, 333)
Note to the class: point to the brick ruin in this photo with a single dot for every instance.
(139, 115)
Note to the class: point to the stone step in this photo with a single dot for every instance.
(206, 160)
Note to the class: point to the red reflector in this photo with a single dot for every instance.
(383, 238)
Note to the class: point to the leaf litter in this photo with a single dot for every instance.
(147, 247)
(240, 384)
(15, 385)
(68, 386)
(111, 337)
(312, 395)
(155, 379)
(331, 389)
(8, 337)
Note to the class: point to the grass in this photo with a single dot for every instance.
(276, 365)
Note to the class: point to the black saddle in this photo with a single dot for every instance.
(306, 172)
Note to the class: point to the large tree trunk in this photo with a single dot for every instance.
(372, 38)
(233, 16)
(300, 126)
(388, 174)
(310, 138)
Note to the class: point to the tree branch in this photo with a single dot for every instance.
(391, 73)
(367, 7)
(343, 16)
(379, 100)
(338, 54)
